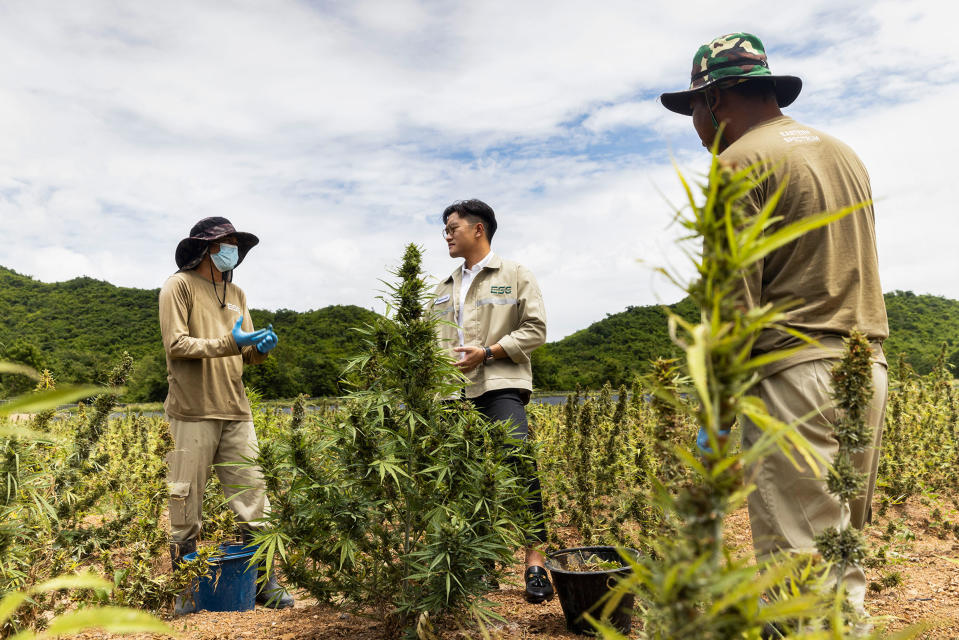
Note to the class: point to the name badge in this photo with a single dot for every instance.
(442, 299)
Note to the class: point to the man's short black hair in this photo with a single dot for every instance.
(474, 211)
(760, 88)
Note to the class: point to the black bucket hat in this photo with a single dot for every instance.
(191, 250)
(731, 58)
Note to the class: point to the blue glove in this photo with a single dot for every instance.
(268, 343)
(244, 339)
(702, 441)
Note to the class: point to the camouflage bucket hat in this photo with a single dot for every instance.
(190, 251)
(736, 56)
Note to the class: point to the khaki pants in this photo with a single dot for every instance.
(197, 446)
(790, 506)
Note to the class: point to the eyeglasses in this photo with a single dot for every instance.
(449, 231)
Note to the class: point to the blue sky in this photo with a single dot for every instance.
(338, 131)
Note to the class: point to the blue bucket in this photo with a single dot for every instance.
(230, 584)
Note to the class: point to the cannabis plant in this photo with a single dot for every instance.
(86, 492)
(852, 391)
(599, 463)
(406, 502)
(920, 440)
(24, 489)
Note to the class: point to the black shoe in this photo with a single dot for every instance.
(771, 630)
(183, 603)
(274, 596)
(538, 587)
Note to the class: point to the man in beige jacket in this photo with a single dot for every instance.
(496, 319)
(208, 335)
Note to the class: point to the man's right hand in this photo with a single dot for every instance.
(245, 339)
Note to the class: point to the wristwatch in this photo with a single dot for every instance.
(489, 354)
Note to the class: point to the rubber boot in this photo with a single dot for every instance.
(273, 595)
(180, 549)
(184, 601)
(490, 579)
(270, 594)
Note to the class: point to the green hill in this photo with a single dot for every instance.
(919, 325)
(622, 344)
(78, 328)
(614, 349)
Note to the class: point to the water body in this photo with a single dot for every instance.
(122, 411)
(554, 399)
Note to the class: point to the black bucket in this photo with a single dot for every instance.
(581, 591)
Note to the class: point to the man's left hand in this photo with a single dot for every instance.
(472, 358)
(268, 342)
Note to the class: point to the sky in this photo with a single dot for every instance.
(338, 132)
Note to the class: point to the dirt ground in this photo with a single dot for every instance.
(918, 549)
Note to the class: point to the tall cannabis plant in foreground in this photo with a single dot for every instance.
(693, 587)
(404, 505)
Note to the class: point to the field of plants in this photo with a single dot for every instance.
(593, 451)
(398, 511)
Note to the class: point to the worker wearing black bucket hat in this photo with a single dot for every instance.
(727, 60)
(829, 276)
(190, 250)
(208, 336)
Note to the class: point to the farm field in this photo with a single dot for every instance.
(929, 591)
(915, 533)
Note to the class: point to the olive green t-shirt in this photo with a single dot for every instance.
(831, 273)
(204, 364)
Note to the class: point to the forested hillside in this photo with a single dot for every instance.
(614, 349)
(621, 344)
(78, 328)
(919, 325)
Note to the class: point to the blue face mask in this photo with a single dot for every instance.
(226, 258)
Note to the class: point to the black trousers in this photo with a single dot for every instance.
(509, 405)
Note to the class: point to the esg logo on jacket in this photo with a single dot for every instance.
(501, 288)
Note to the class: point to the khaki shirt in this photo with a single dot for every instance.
(204, 365)
(831, 274)
(503, 305)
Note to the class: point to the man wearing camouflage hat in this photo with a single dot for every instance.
(208, 335)
(830, 274)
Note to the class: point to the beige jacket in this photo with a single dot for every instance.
(503, 305)
(204, 365)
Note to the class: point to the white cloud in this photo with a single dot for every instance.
(627, 114)
(338, 132)
(908, 153)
